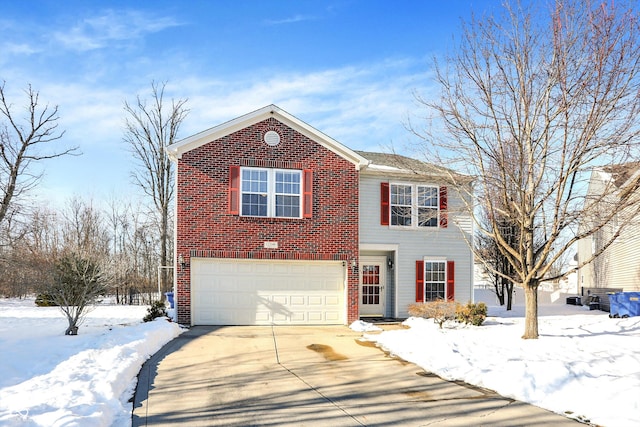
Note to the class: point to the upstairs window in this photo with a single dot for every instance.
(401, 205)
(264, 192)
(412, 205)
(271, 192)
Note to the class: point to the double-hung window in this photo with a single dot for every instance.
(427, 206)
(434, 280)
(271, 192)
(414, 205)
(401, 204)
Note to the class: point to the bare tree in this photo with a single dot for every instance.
(25, 140)
(77, 283)
(529, 102)
(149, 128)
(497, 265)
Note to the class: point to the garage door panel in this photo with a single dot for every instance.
(226, 292)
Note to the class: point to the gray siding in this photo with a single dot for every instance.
(416, 243)
(617, 267)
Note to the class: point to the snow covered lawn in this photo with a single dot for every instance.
(48, 379)
(584, 365)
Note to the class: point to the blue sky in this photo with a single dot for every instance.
(346, 67)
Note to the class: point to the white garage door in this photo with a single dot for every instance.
(265, 292)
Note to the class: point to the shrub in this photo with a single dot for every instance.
(440, 311)
(471, 313)
(156, 309)
(45, 300)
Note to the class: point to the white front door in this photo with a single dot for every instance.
(373, 278)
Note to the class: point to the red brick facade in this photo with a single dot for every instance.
(206, 228)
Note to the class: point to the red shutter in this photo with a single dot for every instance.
(444, 217)
(234, 190)
(384, 203)
(420, 281)
(307, 194)
(450, 281)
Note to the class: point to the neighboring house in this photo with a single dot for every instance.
(277, 223)
(617, 268)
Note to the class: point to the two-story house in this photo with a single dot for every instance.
(277, 223)
(616, 268)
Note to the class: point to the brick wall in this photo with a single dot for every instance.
(205, 227)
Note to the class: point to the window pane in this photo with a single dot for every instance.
(288, 206)
(254, 204)
(400, 205)
(287, 182)
(400, 215)
(427, 217)
(428, 197)
(254, 181)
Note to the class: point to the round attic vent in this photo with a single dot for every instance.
(272, 138)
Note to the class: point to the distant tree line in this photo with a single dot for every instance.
(120, 237)
(73, 255)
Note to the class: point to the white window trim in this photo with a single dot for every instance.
(271, 191)
(414, 206)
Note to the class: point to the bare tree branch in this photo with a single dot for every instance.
(24, 142)
(149, 128)
(529, 104)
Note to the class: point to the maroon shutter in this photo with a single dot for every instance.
(384, 203)
(420, 281)
(307, 194)
(450, 280)
(444, 217)
(234, 190)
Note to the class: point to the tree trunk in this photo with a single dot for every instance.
(509, 292)
(498, 284)
(531, 310)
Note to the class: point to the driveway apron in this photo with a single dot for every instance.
(307, 376)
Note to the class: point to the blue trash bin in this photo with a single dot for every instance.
(629, 303)
(169, 296)
(614, 305)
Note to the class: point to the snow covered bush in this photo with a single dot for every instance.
(156, 309)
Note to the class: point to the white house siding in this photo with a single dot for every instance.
(618, 266)
(625, 269)
(414, 244)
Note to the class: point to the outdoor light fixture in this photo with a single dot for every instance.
(390, 263)
(181, 262)
(354, 266)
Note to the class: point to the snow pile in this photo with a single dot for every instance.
(361, 326)
(48, 379)
(584, 365)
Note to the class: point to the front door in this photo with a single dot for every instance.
(372, 286)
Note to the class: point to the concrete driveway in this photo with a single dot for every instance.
(307, 376)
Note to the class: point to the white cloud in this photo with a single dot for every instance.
(97, 32)
(361, 106)
(289, 20)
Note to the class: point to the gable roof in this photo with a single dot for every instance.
(177, 149)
